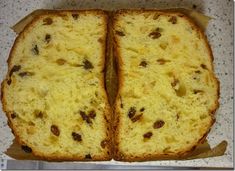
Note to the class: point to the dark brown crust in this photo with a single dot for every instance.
(107, 117)
(186, 152)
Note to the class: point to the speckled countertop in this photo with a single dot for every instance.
(220, 36)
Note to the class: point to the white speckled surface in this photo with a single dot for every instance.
(220, 36)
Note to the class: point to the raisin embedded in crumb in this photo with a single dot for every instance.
(92, 114)
(9, 81)
(38, 114)
(15, 68)
(76, 136)
(75, 16)
(198, 71)
(35, 50)
(197, 91)
(87, 64)
(23, 74)
(131, 112)
(13, 115)
(26, 149)
(175, 82)
(88, 156)
(194, 6)
(55, 130)
(142, 109)
(148, 135)
(48, 38)
(136, 118)
(143, 64)
(156, 16)
(158, 124)
(120, 33)
(155, 34)
(177, 116)
(47, 21)
(162, 61)
(60, 61)
(173, 20)
(203, 66)
(85, 117)
(100, 40)
(104, 143)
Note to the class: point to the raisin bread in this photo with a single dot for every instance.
(168, 92)
(54, 93)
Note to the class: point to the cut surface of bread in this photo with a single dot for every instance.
(54, 92)
(168, 92)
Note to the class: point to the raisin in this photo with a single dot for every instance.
(194, 6)
(173, 20)
(100, 40)
(23, 74)
(158, 124)
(85, 117)
(131, 112)
(175, 82)
(203, 66)
(155, 34)
(75, 16)
(156, 16)
(104, 143)
(88, 156)
(26, 149)
(148, 135)
(48, 38)
(38, 114)
(198, 71)
(197, 91)
(92, 114)
(47, 21)
(120, 33)
(136, 118)
(162, 61)
(15, 68)
(87, 64)
(13, 115)
(143, 64)
(9, 81)
(35, 50)
(177, 116)
(142, 109)
(76, 136)
(60, 61)
(55, 130)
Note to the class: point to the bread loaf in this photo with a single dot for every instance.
(54, 92)
(168, 92)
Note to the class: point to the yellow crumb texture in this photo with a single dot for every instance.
(54, 93)
(168, 91)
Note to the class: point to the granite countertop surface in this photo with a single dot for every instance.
(220, 36)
